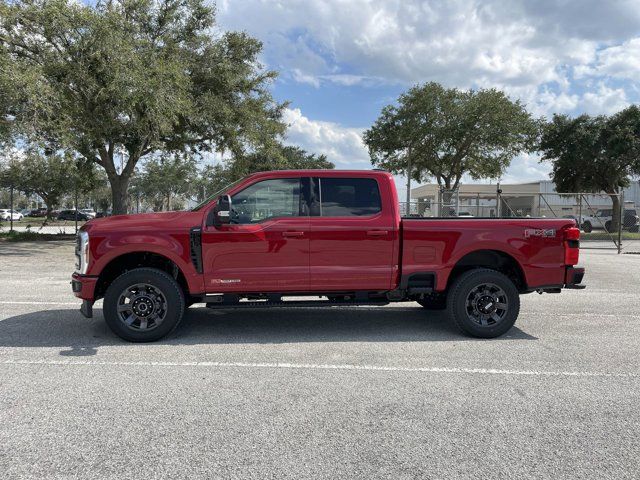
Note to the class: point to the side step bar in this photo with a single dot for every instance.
(233, 301)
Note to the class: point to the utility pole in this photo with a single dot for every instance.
(408, 211)
(11, 211)
(76, 205)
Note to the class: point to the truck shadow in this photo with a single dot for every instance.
(201, 326)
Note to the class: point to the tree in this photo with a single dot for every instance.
(166, 177)
(132, 77)
(440, 133)
(594, 154)
(282, 158)
(49, 174)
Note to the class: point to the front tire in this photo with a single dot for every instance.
(483, 303)
(143, 305)
(587, 227)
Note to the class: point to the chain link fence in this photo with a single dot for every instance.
(606, 220)
(595, 213)
(27, 213)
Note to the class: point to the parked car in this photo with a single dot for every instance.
(465, 214)
(89, 212)
(7, 214)
(603, 218)
(72, 215)
(38, 212)
(335, 235)
(25, 212)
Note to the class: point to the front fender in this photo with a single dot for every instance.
(174, 247)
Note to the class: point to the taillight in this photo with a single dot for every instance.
(571, 246)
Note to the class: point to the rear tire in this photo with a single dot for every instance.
(483, 303)
(143, 305)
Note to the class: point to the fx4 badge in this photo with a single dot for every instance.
(539, 232)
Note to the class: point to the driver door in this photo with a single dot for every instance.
(265, 248)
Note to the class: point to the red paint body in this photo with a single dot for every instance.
(324, 254)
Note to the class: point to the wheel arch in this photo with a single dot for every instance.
(491, 259)
(137, 259)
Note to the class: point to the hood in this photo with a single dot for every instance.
(143, 221)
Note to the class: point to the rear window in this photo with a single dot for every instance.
(349, 197)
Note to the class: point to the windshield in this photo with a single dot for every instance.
(216, 195)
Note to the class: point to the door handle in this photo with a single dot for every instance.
(377, 233)
(292, 234)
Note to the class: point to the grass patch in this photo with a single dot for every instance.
(33, 236)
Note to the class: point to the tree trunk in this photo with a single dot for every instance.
(120, 193)
(615, 214)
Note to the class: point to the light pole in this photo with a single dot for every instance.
(76, 204)
(11, 211)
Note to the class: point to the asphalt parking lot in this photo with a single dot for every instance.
(391, 392)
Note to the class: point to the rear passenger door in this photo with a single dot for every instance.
(352, 235)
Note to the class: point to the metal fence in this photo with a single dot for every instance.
(592, 212)
(23, 218)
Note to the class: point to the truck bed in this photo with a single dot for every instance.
(438, 244)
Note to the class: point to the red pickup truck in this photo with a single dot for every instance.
(274, 238)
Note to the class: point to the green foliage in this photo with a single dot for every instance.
(31, 236)
(447, 133)
(166, 177)
(138, 75)
(593, 154)
(283, 158)
(50, 174)
(215, 178)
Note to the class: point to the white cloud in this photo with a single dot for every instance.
(458, 42)
(526, 168)
(619, 61)
(604, 100)
(568, 57)
(342, 146)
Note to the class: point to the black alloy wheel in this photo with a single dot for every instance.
(483, 303)
(143, 305)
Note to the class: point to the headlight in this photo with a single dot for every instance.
(82, 252)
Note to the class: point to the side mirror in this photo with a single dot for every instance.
(222, 211)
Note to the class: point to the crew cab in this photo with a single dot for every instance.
(317, 237)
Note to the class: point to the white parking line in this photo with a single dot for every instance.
(311, 366)
(37, 303)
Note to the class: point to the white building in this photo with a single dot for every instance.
(519, 199)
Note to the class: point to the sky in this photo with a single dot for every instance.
(341, 61)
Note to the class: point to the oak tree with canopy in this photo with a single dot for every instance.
(446, 133)
(281, 158)
(165, 178)
(594, 153)
(122, 79)
(52, 175)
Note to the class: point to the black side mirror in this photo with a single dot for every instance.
(222, 211)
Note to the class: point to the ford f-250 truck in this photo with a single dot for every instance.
(273, 238)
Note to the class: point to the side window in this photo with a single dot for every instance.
(278, 197)
(349, 197)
